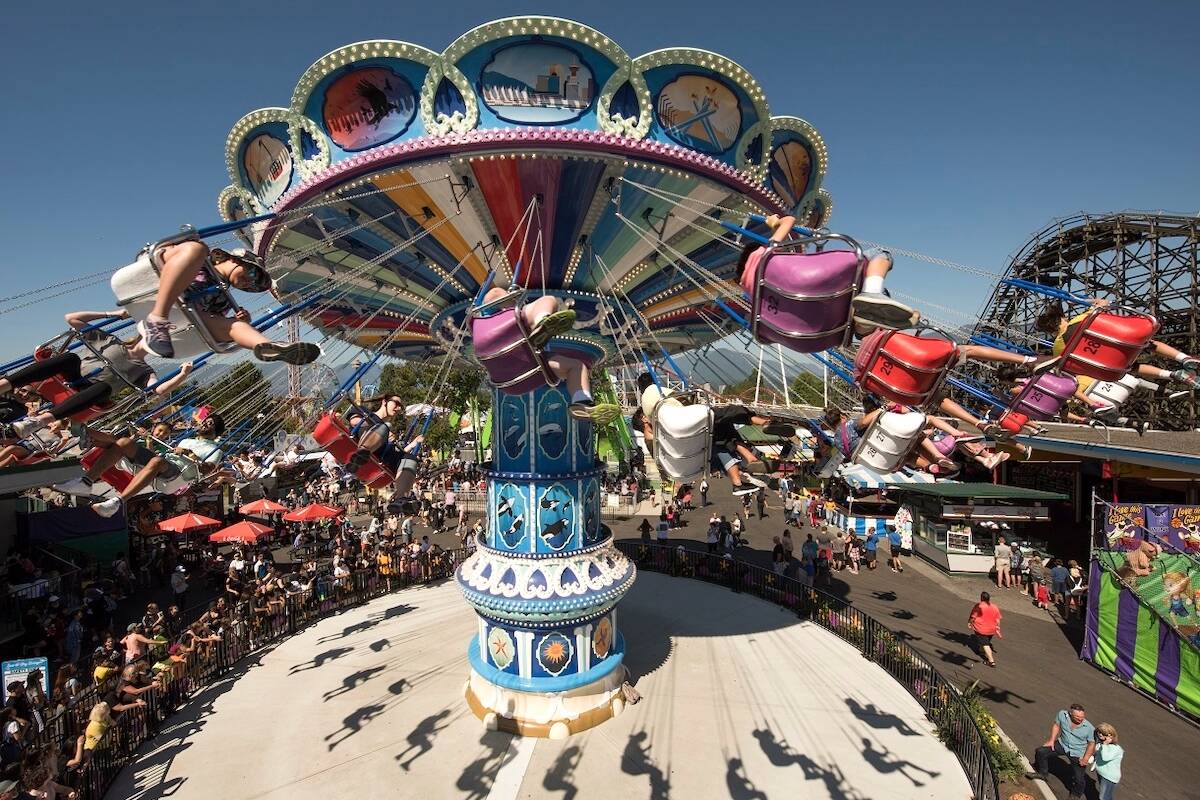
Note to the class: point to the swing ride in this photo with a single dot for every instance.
(539, 203)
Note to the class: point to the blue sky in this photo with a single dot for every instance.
(954, 129)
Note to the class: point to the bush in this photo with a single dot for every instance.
(1006, 761)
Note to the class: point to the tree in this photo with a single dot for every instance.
(807, 389)
(441, 436)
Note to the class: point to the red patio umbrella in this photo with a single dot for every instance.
(245, 531)
(263, 506)
(188, 522)
(311, 512)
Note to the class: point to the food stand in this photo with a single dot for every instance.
(866, 500)
(956, 525)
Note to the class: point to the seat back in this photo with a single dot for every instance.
(332, 433)
(682, 438)
(945, 445)
(114, 476)
(802, 300)
(889, 440)
(1013, 421)
(1042, 397)
(136, 286)
(903, 367)
(502, 347)
(1114, 393)
(1105, 344)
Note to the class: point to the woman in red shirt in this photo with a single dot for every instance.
(984, 622)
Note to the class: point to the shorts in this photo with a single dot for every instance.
(722, 459)
(981, 640)
(870, 556)
(896, 551)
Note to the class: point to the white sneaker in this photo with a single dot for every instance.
(108, 507)
(78, 487)
(23, 427)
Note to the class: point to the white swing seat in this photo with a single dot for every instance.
(136, 287)
(889, 440)
(1114, 394)
(682, 438)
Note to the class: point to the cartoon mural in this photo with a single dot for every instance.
(368, 106)
(700, 112)
(537, 84)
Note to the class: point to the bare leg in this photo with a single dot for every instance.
(538, 309)
(123, 447)
(980, 352)
(179, 268)
(239, 332)
(953, 409)
(746, 453)
(573, 372)
(987, 654)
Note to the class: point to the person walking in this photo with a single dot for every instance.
(778, 556)
(838, 547)
(895, 545)
(1073, 736)
(1107, 761)
(179, 586)
(984, 622)
(1003, 554)
(788, 545)
(761, 501)
(871, 546)
(645, 529)
(703, 492)
(664, 527)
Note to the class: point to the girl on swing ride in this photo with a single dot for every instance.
(184, 277)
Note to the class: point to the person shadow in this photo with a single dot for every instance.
(319, 660)
(738, 784)
(778, 752)
(884, 764)
(558, 777)
(420, 738)
(636, 760)
(477, 777)
(353, 723)
(352, 682)
(878, 719)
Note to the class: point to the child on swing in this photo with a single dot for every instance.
(182, 278)
(546, 318)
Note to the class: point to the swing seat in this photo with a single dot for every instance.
(114, 476)
(1042, 398)
(1104, 345)
(54, 390)
(333, 434)
(946, 445)
(802, 300)
(904, 367)
(1013, 421)
(502, 347)
(889, 440)
(1114, 393)
(682, 438)
(136, 286)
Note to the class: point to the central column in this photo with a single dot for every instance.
(545, 581)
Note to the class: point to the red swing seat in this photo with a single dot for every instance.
(1105, 344)
(114, 476)
(54, 390)
(904, 367)
(333, 434)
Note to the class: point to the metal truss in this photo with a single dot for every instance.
(1143, 259)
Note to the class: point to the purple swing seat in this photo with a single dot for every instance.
(1042, 398)
(802, 300)
(502, 347)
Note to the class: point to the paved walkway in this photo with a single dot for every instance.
(741, 700)
(1038, 672)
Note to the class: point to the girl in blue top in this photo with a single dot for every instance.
(1107, 761)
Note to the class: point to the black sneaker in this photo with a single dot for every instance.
(876, 308)
(297, 354)
(777, 428)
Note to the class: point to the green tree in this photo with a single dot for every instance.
(806, 389)
(441, 436)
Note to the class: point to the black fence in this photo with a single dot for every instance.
(211, 663)
(937, 695)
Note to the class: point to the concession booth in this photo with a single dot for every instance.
(955, 526)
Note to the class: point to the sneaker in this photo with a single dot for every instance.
(157, 334)
(1191, 364)
(550, 326)
(24, 427)
(876, 308)
(296, 354)
(1038, 367)
(777, 428)
(1186, 376)
(108, 507)
(599, 413)
(77, 487)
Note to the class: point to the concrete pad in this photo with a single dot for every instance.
(741, 699)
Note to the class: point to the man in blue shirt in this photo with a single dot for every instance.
(870, 546)
(1073, 736)
(896, 543)
(1058, 581)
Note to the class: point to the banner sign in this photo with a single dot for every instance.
(21, 669)
(1127, 524)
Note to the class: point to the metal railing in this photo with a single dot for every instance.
(939, 697)
(212, 662)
